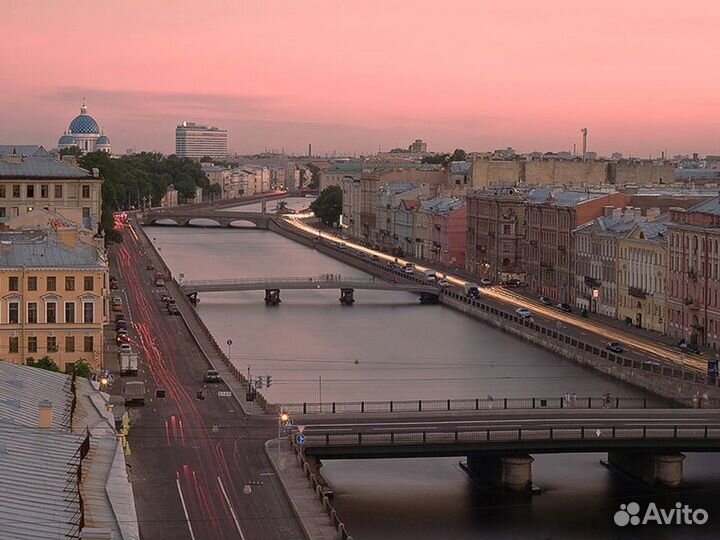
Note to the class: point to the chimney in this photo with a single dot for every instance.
(67, 236)
(96, 172)
(638, 214)
(607, 211)
(652, 213)
(45, 414)
(617, 213)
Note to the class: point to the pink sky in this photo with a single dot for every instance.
(349, 75)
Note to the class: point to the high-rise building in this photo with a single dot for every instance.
(197, 141)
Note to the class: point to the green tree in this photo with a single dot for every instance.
(328, 205)
(71, 151)
(315, 179)
(81, 368)
(45, 362)
(458, 155)
(436, 159)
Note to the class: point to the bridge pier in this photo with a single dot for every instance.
(272, 297)
(429, 298)
(664, 469)
(509, 472)
(346, 297)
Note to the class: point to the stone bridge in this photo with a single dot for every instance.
(184, 217)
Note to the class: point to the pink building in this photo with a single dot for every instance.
(449, 232)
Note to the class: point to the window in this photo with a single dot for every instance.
(44, 191)
(69, 312)
(32, 283)
(30, 191)
(88, 344)
(69, 344)
(51, 283)
(51, 312)
(14, 312)
(86, 191)
(32, 344)
(32, 314)
(13, 283)
(58, 191)
(2, 192)
(52, 344)
(88, 283)
(69, 283)
(16, 191)
(3, 212)
(14, 344)
(88, 312)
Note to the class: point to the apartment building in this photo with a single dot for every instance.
(30, 182)
(642, 263)
(449, 232)
(389, 198)
(693, 307)
(52, 290)
(197, 141)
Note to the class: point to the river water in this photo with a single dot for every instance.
(388, 346)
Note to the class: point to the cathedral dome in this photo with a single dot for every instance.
(84, 124)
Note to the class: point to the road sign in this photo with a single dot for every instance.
(224, 393)
(301, 429)
(229, 341)
(300, 439)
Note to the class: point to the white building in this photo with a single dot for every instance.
(197, 141)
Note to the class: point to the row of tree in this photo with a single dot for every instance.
(130, 181)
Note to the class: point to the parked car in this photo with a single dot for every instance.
(114, 284)
(615, 347)
(122, 336)
(486, 282)
(119, 317)
(567, 308)
(524, 312)
(117, 303)
(546, 301)
(120, 325)
(212, 376)
(125, 348)
(173, 309)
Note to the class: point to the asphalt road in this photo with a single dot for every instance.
(192, 459)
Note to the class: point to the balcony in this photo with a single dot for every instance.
(592, 282)
(637, 292)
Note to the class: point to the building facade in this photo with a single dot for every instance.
(642, 275)
(52, 291)
(197, 141)
(449, 232)
(389, 198)
(27, 183)
(693, 307)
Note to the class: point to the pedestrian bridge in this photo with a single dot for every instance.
(189, 217)
(645, 443)
(272, 286)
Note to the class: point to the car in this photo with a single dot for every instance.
(173, 309)
(524, 312)
(114, 285)
(116, 300)
(119, 317)
(341, 246)
(443, 283)
(167, 298)
(149, 267)
(615, 347)
(374, 257)
(513, 283)
(120, 325)
(125, 348)
(212, 376)
(546, 301)
(486, 282)
(122, 336)
(693, 349)
(564, 307)
(408, 270)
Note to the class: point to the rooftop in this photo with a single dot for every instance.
(41, 249)
(39, 167)
(23, 150)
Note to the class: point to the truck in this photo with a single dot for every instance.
(472, 290)
(128, 363)
(134, 393)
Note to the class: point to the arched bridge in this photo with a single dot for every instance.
(184, 217)
(273, 286)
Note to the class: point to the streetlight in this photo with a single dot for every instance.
(283, 420)
(229, 344)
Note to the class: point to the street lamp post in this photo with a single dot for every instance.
(283, 420)
(229, 344)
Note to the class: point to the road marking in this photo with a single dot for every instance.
(232, 510)
(187, 517)
(266, 474)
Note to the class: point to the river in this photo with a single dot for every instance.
(388, 346)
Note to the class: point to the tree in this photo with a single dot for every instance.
(436, 159)
(71, 151)
(315, 171)
(45, 362)
(81, 368)
(458, 155)
(328, 205)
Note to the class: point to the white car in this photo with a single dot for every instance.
(524, 312)
(486, 282)
(408, 270)
(443, 283)
(125, 348)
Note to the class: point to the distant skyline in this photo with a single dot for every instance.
(352, 76)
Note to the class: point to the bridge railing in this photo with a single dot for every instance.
(512, 434)
(472, 404)
(274, 280)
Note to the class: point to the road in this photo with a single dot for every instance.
(508, 298)
(191, 458)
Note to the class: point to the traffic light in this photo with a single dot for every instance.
(268, 381)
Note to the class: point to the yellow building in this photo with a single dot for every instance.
(30, 182)
(52, 290)
(642, 275)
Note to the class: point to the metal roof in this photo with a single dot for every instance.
(40, 167)
(37, 467)
(460, 167)
(41, 249)
(708, 207)
(23, 150)
(22, 388)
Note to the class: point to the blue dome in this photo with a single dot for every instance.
(102, 139)
(84, 124)
(66, 140)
